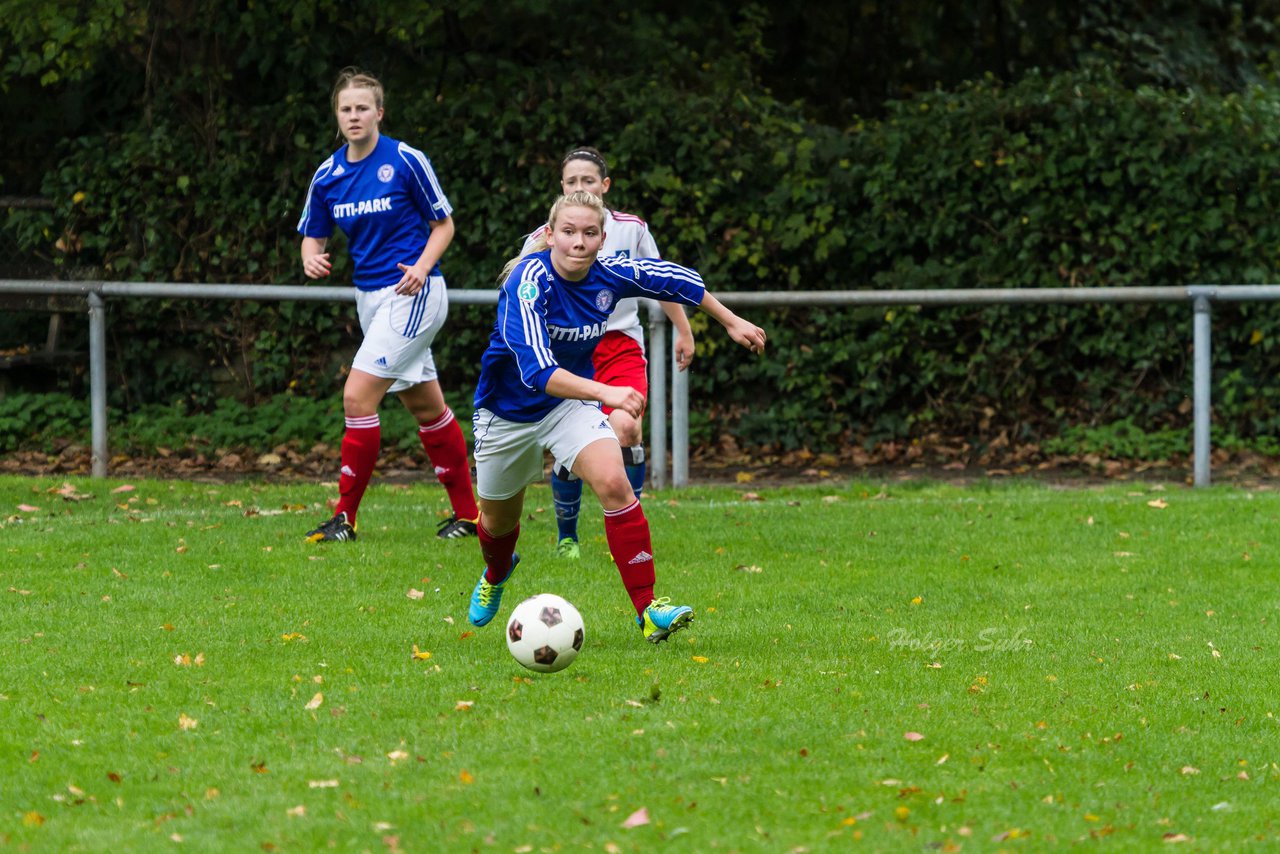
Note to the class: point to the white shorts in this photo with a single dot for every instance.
(508, 454)
(398, 331)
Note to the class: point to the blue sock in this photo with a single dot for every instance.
(567, 495)
(635, 474)
(633, 459)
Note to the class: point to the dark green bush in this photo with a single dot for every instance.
(1071, 179)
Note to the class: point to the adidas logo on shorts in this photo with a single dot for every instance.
(382, 362)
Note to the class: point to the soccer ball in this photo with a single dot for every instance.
(545, 633)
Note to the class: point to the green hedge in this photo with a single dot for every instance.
(1064, 180)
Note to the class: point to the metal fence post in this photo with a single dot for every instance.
(1201, 387)
(657, 407)
(679, 424)
(98, 382)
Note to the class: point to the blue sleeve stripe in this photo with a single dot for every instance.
(306, 205)
(420, 167)
(534, 327)
(669, 270)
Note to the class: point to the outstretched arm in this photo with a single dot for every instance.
(742, 331)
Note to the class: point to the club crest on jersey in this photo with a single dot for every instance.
(527, 291)
(604, 300)
(386, 172)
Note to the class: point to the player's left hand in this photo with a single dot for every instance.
(748, 335)
(412, 280)
(684, 350)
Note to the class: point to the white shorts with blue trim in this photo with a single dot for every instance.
(509, 454)
(398, 331)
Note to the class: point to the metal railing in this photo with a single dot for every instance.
(1200, 297)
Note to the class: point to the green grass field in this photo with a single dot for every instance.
(888, 667)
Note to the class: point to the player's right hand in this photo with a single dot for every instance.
(625, 398)
(316, 266)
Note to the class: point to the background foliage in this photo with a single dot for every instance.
(874, 145)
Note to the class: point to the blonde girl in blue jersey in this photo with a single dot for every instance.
(619, 358)
(384, 195)
(535, 394)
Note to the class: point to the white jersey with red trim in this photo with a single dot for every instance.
(625, 236)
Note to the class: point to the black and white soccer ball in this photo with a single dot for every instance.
(545, 633)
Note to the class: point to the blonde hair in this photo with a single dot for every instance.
(576, 199)
(353, 78)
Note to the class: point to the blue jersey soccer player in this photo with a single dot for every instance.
(383, 194)
(535, 394)
(619, 358)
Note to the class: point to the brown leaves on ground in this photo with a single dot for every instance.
(933, 455)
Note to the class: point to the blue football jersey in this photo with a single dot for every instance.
(547, 322)
(382, 203)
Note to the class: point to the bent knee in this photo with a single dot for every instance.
(614, 491)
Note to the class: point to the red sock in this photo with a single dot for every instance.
(497, 552)
(447, 450)
(628, 533)
(360, 446)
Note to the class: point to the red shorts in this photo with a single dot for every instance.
(619, 360)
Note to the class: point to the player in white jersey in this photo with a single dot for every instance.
(619, 358)
(535, 395)
(384, 195)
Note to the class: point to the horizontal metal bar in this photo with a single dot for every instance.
(319, 293)
(945, 296)
(998, 296)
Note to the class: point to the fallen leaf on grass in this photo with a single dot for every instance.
(637, 819)
(1158, 503)
(751, 496)
(420, 654)
(32, 819)
(1012, 833)
(397, 756)
(913, 736)
(415, 594)
(28, 508)
(124, 487)
(315, 702)
(68, 493)
(748, 569)
(1188, 770)
(466, 777)
(323, 784)
(300, 811)
(185, 722)
(1176, 837)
